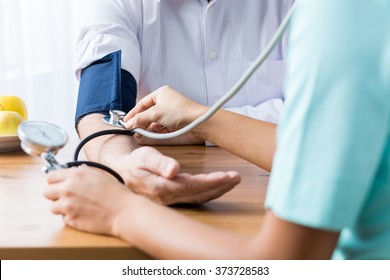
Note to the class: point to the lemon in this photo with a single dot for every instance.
(13, 103)
(9, 122)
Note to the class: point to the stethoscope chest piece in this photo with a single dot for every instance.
(115, 118)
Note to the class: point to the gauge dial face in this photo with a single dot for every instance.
(43, 134)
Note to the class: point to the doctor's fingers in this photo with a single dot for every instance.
(153, 127)
(57, 176)
(52, 192)
(158, 128)
(66, 182)
(55, 191)
(145, 118)
(72, 175)
(64, 207)
(56, 184)
(142, 105)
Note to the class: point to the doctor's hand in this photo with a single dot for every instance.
(165, 110)
(148, 172)
(87, 199)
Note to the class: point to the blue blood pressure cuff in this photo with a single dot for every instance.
(104, 86)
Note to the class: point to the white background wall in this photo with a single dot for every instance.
(37, 49)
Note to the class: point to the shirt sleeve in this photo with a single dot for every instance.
(336, 123)
(107, 27)
(268, 111)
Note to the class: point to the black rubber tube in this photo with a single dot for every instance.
(76, 162)
(97, 165)
(97, 134)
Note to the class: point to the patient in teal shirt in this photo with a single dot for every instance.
(332, 166)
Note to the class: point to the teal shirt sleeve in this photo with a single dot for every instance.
(334, 132)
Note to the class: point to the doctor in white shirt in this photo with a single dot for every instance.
(130, 48)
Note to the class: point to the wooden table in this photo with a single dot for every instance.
(28, 230)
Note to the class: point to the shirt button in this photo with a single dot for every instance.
(213, 55)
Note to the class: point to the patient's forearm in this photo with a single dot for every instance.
(248, 138)
(104, 148)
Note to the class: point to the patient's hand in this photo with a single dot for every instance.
(148, 172)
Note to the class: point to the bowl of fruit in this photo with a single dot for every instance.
(13, 111)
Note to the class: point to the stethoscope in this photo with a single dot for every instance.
(43, 139)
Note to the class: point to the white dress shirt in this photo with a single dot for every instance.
(196, 47)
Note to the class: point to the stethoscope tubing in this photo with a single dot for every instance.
(234, 90)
